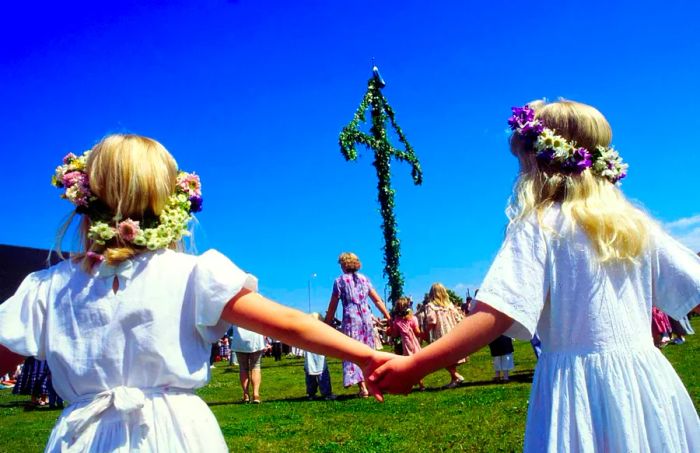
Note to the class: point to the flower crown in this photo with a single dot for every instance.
(154, 232)
(556, 152)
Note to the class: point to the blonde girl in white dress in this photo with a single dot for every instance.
(127, 325)
(582, 267)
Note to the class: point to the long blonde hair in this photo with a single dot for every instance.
(439, 296)
(133, 176)
(617, 229)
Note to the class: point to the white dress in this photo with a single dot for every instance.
(600, 384)
(129, 362)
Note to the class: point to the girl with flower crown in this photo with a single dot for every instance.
(583, 267)
(405, 326)
(104, 319)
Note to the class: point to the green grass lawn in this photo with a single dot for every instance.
(478, 416)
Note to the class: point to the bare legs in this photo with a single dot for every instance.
(244, 385)
(455, 377)
(255, 378)
(248, 379)
(363, 393)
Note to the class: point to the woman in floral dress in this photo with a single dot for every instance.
(354, 290)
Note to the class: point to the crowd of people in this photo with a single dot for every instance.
(580, 268)
(404, 331)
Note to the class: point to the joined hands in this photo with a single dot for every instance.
(389, 373)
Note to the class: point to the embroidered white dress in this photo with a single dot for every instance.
(128, 362)
(600, 384)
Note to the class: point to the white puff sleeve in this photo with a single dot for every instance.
(518, 281)
(216, 281)
(23, 317)
(675, 276)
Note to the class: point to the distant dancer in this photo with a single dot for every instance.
(354, 290)
(441, 317)
(316, 372)
(249, 348)
(502, 352)
(405, 325)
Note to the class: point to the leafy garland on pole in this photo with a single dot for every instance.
(377, 141)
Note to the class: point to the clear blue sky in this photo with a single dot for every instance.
(252, 96)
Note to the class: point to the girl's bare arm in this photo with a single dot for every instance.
(474, 332)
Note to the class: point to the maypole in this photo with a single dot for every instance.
(378, 142)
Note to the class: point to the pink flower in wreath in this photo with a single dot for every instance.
(74, 177)
(190, 183)
(128, 230)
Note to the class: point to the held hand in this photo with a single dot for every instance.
(395, 376)
(377, 359)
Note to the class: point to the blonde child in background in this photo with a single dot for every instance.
(105, 319)
(316, 372)
(441, 316)
(583, 267)
(405, 325)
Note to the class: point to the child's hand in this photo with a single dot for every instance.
(395, 376)
(377, 359)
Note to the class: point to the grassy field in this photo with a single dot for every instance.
(478, 416)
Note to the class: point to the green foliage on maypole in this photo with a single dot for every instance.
(377, 141)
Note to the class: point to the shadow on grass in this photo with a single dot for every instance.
(29, 407)
(519, 377)
(12, 404)
(300, 399)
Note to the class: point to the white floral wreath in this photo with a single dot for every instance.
(169, 227)
(556, 152)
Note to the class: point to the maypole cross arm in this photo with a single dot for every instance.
(377, 141)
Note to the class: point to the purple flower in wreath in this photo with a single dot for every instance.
(579, 160)
(196, 204)
(532, 129)
(545, 157)
(520, 117)
(525, 125)
(523, 121)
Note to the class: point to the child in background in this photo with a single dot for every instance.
(377, 327)
(441, 316)
(660, 328)
(316, 371)
(33, 381)
(582, 267)
(502, 352)
(405, 325)
(224, 349)
(105, 319)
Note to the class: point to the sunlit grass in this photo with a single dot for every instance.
(478, 416)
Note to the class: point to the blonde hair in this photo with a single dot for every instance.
(349, 262)
(402, 307)
(439, 296)
(133, 176)
(617, 229)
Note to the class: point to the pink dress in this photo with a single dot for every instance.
(659, 322)
(405, 327)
